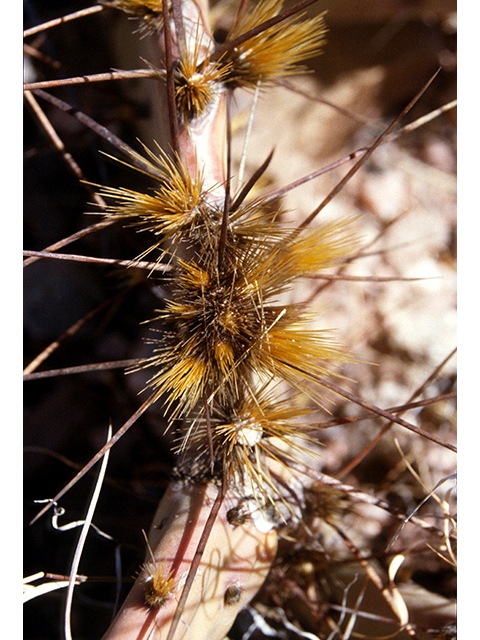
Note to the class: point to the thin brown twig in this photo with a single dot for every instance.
(48, 252)
(346, 112)
(57, 141)
(385, 414)
(226, 205)
(41, 357)
(62, 20)
(361, 253)
(96, 77)
(248, 186)
(366, 416)
(342, 276)
(373, 443)
(170, 80)
(38, 55)
(358, 153)
(347, 177)
(84, 368)
(116, 437)
(356, 493)
(197, 558)
(140, 264)
(103, 132)
(209, 432)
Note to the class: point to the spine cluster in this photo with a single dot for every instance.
(226, 339)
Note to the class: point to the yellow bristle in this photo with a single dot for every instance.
(193, 276)
(174, 210)
(275, 52)
(197, 83)
(296, 354)
(183, 379)
(325, 246)
(225, 325)
(149, 10)
(224, 358)
(158, 585)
